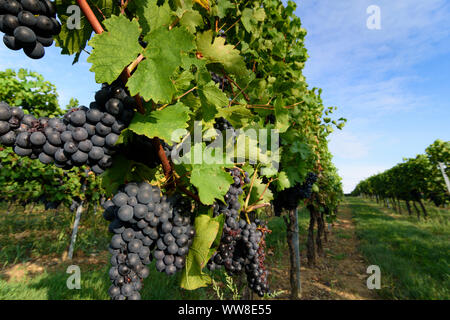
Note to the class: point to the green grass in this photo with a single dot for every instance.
(24, 235)
(94, 286)
(413, 255)
(45, 233)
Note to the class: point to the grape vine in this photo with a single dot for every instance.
(170, 71)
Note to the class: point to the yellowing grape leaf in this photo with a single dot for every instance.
(203, 3)
(219, 52)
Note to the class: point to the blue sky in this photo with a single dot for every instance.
(393, 84)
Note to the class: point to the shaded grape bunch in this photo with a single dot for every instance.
(145, 225)
(84, 136)
(222, 124)
(288, 198)
(29, 25)
(223, 82)
(129, 260)
(140, 148)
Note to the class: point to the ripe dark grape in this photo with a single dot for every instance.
(23, 152)
(9, 23)
(31, 5)
(102, 130)
(85, 146)
(78, 118)
(4, 127)
(11, 43)
(108, 120)
(114, 106)
(45, 159)
(35, 52)
(26, 18)
(5, 112)
(98, 141)
(44, 24)
(37, 139)
(25, 36)
(8, 139)
(79, 157)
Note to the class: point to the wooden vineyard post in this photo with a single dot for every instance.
(75, 230)
(294, 253)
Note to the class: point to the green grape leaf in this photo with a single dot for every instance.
(168, 124)
(73, 41)
(222, 8)
(151, 16)
(152, 79)
(219, 52)
(212, 182)
(191, 19)
(212, 99)
(282, 116)
(237, 115)
(114, 49)
(207, 229)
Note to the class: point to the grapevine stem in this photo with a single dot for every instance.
(162, 156)
(238, 95)
(265, 189)
(233, 82)
(232, 25)
(258, 206)
(174, 23)
(84, 6)
(101, 12)
(135, 63)
(250, 191)
(187, 92)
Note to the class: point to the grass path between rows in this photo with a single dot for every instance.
(413, 256)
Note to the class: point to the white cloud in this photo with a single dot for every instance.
(346, 145)
(352, 174)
